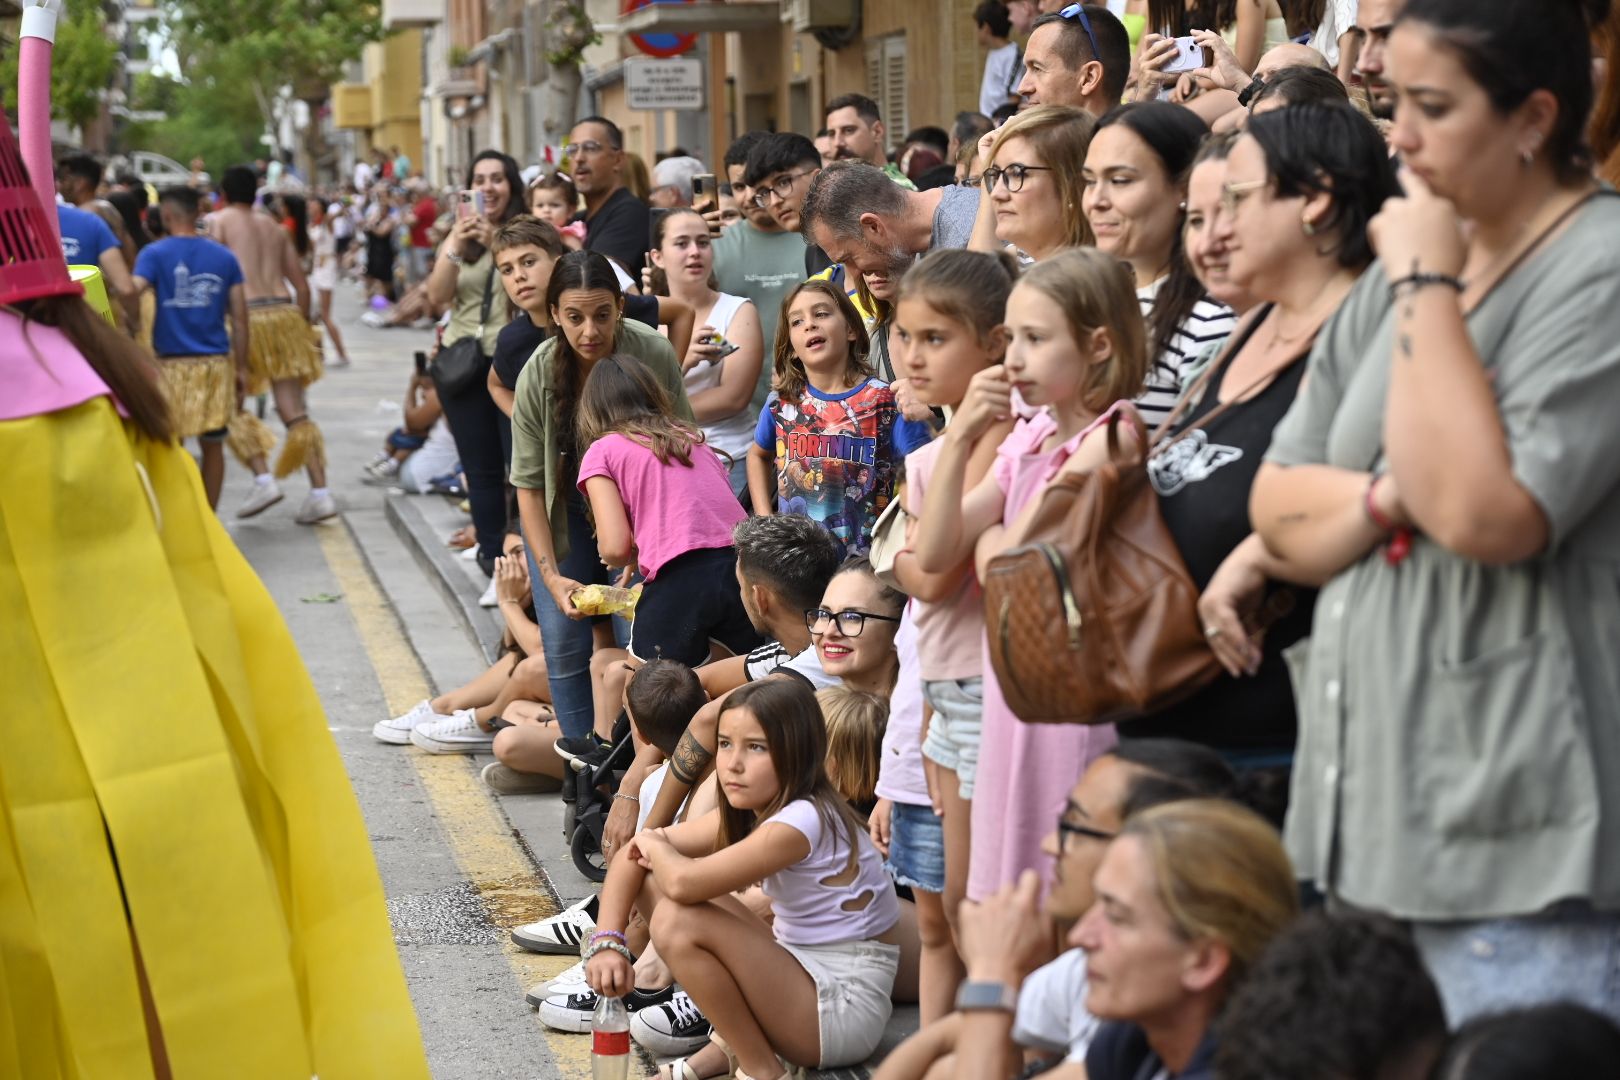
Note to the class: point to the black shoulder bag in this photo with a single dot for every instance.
(458, 367)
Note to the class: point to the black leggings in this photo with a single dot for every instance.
(475, 424)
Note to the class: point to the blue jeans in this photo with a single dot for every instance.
(568, 642)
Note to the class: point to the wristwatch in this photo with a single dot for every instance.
(974, 996)
(1246, 95)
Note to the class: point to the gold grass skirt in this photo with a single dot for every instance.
(201, 391)
(281, 345)
(168, 772)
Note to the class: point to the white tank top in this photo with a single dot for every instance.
(730, 434)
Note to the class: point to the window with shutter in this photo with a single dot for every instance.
(886, 81)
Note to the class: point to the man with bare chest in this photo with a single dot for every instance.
(282, 352)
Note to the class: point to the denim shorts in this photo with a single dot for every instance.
(953, 733)
(916, 848)
(1567, 953)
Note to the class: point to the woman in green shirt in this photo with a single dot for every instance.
(587, 308)
(1451, 471)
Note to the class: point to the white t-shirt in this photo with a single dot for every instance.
(648, 794)
(438, 454)
(730, 434)
(1052, 1013)
(998, 86)
(1337, 17)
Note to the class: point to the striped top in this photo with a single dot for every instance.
(1209, 323)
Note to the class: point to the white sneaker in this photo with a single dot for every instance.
(317, 508)
(398, 730)
(561, 934)
(261, 498)
(489, 599)
(455, 734)
(571, 981)
(671, 1029)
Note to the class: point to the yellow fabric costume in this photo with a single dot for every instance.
(201, 391)
(281, 345)
(168, 769)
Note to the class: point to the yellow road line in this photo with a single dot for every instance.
(479, 836)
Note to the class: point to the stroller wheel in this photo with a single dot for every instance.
(587, 854)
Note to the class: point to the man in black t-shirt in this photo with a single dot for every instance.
(616, 222)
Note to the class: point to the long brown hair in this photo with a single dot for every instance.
(796, 736)
(621, 396)
(122, 364)
(788, 375)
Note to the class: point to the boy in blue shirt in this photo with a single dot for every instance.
(199, 287)
(87, 241)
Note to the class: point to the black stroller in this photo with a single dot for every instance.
(588, 799)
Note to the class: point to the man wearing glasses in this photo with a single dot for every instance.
(617, 223)
(780, 170)
(1078, 56)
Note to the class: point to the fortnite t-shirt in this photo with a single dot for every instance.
(836, 456)
(192, 277)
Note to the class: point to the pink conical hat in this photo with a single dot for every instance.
(31, 261)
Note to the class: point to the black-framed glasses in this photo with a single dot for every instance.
(1013, 176)
(1067, 828)
(1078, 11)
(782, 187)
(850, 622)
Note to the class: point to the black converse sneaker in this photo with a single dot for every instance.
(573, 1010)
(673, 1029)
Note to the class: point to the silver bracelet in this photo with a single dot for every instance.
(627, 798)
(601, 944)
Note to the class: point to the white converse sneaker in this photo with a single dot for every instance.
(261, 498)
(574, 1009)
(398, 730)
(489, 598)
(672, 1029)
(317, 508)
(571, 981)
(455, 734)
(561, 934)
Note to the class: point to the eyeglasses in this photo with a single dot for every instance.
(589, 147)
(1013, 176)
(850, 623)
(1232, 195)
(782, 187)
(1078, 11)
(1067, 828)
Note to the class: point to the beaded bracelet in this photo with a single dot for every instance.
(608, 934)
(611, 946)
(1416, 281)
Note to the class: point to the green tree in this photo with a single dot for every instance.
(211, 114)
(82, 66)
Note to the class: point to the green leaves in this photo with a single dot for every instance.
(82, 66)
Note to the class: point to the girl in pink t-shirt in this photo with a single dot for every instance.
(1076, 345)
(661, 503)
(810, 989)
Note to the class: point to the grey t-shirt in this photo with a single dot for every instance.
(764, 267)
(953, 217)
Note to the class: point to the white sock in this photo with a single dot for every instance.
(263, 478)
(318, 493)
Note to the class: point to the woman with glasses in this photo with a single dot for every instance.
(1135, 185)
(1451, 471)
(1029, 183)
(853, 629)
(1300, 187)
(463, 277)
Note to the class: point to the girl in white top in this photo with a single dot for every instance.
(720, 388)
(810, 990)
(325, 273)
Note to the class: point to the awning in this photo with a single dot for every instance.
(702, 17)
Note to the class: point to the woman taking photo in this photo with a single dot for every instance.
(463, 276)
(718, 385)
(1029, 186)
(1450, 471)
(1300, 187)
(1135, 181)
(587, 307)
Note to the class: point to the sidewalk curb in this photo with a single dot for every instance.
(433, 556)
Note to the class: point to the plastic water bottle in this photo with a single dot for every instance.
(610, 1040)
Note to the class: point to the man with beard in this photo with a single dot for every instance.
(858, 135)
(617, 223)
(862, 220)
(1375, 19)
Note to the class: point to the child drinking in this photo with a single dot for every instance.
(1076, 346)
(947, 329)
(814, 986)
(662, 503)
(830, 429)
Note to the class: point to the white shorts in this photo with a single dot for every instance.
(853, 982)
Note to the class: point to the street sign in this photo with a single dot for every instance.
(664, 84)
(660, 45)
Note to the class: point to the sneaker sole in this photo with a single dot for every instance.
(391, 736)
(257, 510)
(661, 1045)
(560, 1019)
(434, 746)
(544, 946)
(317, 520)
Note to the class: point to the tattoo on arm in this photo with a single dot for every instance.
(1405, 344)
(689, 760)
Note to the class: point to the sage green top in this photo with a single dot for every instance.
(1459, 724)
(537, 440)
(469, 301)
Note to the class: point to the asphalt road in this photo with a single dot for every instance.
(377, 635)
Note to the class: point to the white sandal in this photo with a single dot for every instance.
(677, 1070)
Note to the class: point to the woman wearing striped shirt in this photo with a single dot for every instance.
(1135, 198)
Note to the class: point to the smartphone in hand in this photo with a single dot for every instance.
(1189, 57)
(705, 193)
(469, 204)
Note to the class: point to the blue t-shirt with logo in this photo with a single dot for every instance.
(192, 277)
(84, 236)
(836, 456)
